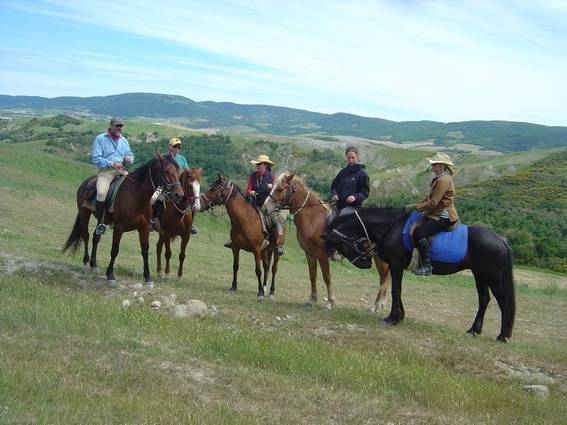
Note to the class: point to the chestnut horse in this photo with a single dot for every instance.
(131, 211)
(177, 219)
(309, 215)
(246, 232)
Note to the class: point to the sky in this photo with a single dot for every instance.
(399, 60)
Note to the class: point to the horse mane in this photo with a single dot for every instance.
(139, 174)
(375, 216)
(297, 179)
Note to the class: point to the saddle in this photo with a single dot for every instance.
(89, 193)
(449, 246)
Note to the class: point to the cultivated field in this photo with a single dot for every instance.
(71, 352)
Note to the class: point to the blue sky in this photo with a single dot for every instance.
(399, 60)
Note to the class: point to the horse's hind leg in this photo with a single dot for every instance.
(385, 282)
(159, 247)
(312, 267)
(167, 256)
(274, 272)
(326, 272)
(235, 267)
(483, 300)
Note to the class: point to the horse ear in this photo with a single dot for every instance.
(158, 155)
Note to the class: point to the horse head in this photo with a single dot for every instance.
(190, 180)
(165, 171)
(219, 193)
(345, 236)
(281, 194)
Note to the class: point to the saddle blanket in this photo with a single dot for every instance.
(446, 247)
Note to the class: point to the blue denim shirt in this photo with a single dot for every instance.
(106, 151)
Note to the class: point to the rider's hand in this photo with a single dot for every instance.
(117, 165)
(350, 199)
(127, 159)
(335, 198)
(252, 193)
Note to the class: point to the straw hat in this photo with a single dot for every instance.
(262, 159)
(441, 158)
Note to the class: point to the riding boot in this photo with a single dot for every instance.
(100, 207)
(156, 214)
(424, 268)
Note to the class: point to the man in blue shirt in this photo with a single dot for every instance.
(110, 153)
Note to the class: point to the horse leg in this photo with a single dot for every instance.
(312, 267)
(182, 249)
(159, 247)
(167, 256)
(116, 236)
(235, 260)
(483, 300)
(397, 312)
(274, 272)
(144, 236)
(258, 265)
(326, 272)
(266, 256)
(385, 282)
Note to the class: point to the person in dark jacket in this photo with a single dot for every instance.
(349, 189)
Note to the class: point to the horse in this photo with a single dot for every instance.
(309, 215)
(382, 231)
(246, 232)
(131, 211)
(177, 219)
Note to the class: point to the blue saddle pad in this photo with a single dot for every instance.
(446, 247)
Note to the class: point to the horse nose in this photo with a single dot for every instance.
(178, 196)
(197, 206)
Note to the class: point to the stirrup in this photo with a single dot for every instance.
(194, 230)
(423, 271)
(228, 244)
(100, 229)
(279, 250)
(155, 224)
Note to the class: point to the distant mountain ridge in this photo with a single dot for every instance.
(503, 136)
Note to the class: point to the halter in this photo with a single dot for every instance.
(287, 200)
(167, 187)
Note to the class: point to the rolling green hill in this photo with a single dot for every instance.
(523, 195)
(492, 135)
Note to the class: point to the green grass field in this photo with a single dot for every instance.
(71, 353)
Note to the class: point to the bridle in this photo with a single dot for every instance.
(286, 202)
(162, 180)
(218, 199)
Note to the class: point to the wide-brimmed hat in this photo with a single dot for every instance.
(174, 141)
(441, 158)
(262, 159)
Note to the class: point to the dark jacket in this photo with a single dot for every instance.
(259, 184)
(351, 180)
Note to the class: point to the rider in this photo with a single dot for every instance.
(260, 183)
(173, 150)
(110, 153)
(349, 189)
(438, 208)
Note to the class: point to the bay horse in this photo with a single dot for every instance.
(309, 215)
(177, 219)
(131, 211)
(246, 232)
(486, 254)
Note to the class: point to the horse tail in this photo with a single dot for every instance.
(507, 282)
(74, 238)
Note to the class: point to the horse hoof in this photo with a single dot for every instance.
(327, 307)
(150, 285)
(260, 298)
(112, 283)
(501, 338)
(272, 297)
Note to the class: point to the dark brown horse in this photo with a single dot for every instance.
(246, 232)
(177, 219)
(309, 215)
(131, 211)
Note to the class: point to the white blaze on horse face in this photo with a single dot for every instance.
(197, 195)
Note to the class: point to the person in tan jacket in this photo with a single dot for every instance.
(438, 209)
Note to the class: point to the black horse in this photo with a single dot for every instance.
(379, 231)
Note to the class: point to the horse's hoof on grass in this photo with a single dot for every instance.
(501, 338)
(112, 283)
(327, 306)
(150, 285)
(272, 297)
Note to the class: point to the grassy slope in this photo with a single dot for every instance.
(68, 350)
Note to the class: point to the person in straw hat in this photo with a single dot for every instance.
(260, 183)
(438, 208)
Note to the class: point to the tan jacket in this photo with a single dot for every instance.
(441, 196)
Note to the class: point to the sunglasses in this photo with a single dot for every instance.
(177, 147)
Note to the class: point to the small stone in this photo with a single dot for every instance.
(155, 304)
(125, 303)
(539, 390)
(140, 300)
